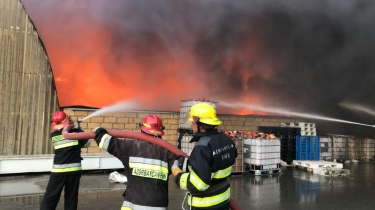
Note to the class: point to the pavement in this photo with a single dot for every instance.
(293, 188)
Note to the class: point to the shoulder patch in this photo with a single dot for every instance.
(203, 141)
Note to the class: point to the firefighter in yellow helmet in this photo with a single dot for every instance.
(210, 162)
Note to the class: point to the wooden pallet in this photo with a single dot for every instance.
(333, 171)
(266, 171)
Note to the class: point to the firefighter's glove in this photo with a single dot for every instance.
(175, 169)
(99, 132)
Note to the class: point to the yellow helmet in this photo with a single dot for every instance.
(205, 113)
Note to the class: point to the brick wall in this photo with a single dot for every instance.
(129, 121)
(250, 123)
(124, 121)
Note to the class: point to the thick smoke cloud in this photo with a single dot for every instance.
(304, 56)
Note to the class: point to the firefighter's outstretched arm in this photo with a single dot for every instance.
(109, 143)
(84, 143)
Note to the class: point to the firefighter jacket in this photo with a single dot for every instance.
(147, 168)
(67, 158)
(209, 166)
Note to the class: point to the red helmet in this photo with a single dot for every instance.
(152, 125)
(59, 120)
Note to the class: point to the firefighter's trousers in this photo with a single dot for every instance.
(56, 183)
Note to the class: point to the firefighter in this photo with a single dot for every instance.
(66, 168)
(210, 162)
(146, 166)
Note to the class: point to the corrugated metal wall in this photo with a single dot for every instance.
(27, 93)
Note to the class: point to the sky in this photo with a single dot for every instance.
(312, 56)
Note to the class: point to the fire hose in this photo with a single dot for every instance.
(133, 135)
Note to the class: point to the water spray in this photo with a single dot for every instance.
(286, 112)
(118, 107)
(356, 107)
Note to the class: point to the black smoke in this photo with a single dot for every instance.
(304, 56)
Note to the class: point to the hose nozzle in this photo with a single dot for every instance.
(77, 123)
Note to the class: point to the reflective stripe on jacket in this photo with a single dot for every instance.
(130, 206)
(67, 157)
(104, 141)
(64, 143)
(209, 166)
(209, 201)
(67, 167)
(147, 168)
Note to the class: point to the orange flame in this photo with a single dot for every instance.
(89, 73)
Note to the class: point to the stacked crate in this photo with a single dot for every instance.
(262, 154)
(308, 148)
(289, 124)
(355, 149)
(369, 149)
(238, 166)
(339, 145)
(326, 148)
(307, 129)
(287, 136)
(185, 107)
(185, 144)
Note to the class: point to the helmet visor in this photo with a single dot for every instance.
(188, 119)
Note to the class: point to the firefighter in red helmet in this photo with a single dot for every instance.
(66, 168)
(152, 125)
(147, 166)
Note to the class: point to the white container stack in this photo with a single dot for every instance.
(289, 124)
(355, 149)
(186, 147)
(307, 129)
(369, 148)
(339, 147)
(262, 152)
(185, 107)
(326, 148)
